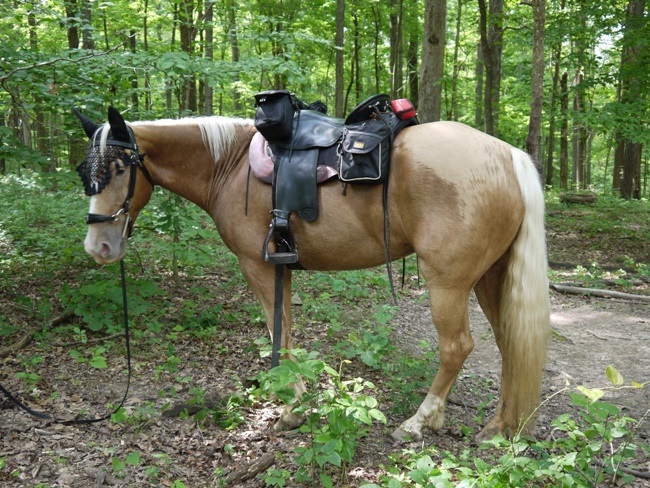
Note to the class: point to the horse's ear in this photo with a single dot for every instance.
(118, 125)
(88, 125)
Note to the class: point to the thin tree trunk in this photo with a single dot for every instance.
(564, 131)
(479, 70)
(234, 52)
(579, 134)
(453, 113)
(87, 26)
(377, 33)
(187, 32)
(134, 76)
(631, 91)
(412, 63)
(396, 82)
(433, 57)
(358, 87)
(550, 168)
(491, 29)
(72, 11)
(339, 99)
(208, 108)
(537, 83)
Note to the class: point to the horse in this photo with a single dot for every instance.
(469, 205)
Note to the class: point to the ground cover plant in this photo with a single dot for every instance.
(203, 401)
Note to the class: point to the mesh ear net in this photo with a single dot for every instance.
(95, 170)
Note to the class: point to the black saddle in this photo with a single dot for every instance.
(358, 146)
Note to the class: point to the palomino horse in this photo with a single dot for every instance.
(469, 205)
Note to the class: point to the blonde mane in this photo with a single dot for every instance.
(217, 132)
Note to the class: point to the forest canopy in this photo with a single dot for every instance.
(568, 81)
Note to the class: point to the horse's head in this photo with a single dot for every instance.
(109, 174)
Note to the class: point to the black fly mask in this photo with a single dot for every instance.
(95, 171)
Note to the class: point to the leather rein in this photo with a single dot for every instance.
(135, 162)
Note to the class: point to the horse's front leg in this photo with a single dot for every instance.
(261, 278)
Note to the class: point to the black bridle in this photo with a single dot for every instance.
(134, 161)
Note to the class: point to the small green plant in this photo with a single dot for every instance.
(587, 448)
(336, 418)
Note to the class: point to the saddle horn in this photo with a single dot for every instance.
(88, 125)
(119, 130)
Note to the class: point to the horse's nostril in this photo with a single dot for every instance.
(105, 250)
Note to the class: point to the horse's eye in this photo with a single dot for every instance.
(119, 169)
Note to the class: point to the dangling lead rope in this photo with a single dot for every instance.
(43, 415)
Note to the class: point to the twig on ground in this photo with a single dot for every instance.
(574, 290)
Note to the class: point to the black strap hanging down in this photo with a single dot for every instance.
(43, 415)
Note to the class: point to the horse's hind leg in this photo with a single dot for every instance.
(450, 317)
(521, 331)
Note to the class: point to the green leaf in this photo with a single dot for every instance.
(592, 394)
(98, 362)
(118, 465)
(614, 377)
(133, 459)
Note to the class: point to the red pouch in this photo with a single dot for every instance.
(403, 108)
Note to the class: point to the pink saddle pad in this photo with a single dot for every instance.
(259, 158)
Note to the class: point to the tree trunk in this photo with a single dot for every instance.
(433, 58)
(550, 168)
(234, 52)
(396, 82)
(87, 25)
(134, 76)
(491, 29)
(631, 92)
(479, 70)
(376, 42)
(453, 110)
(187, 32)
(339, 99)
(71, 12)
(412, 62)
(537, 84)
(208, 108)
(579, 171)
(564, 131)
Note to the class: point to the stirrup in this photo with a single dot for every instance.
(287, 249)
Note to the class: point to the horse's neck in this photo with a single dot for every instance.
(180, 162)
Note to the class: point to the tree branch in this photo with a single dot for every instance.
(574, 290)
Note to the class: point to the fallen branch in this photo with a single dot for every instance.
(22, 342)
(635, 473)
(574, 290)
(28, 336)
(90, 341)
(251, 469)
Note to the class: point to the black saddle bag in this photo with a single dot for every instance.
(364, 155)
(274, 114)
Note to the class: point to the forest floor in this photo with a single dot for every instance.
(151, 449)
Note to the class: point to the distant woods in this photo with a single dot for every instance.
(567, 81)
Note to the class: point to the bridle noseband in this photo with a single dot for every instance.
(135, 162)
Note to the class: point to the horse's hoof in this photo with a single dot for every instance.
(288, 421)
(401, 436)
(493, 428)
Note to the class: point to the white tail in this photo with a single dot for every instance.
(525, 305)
